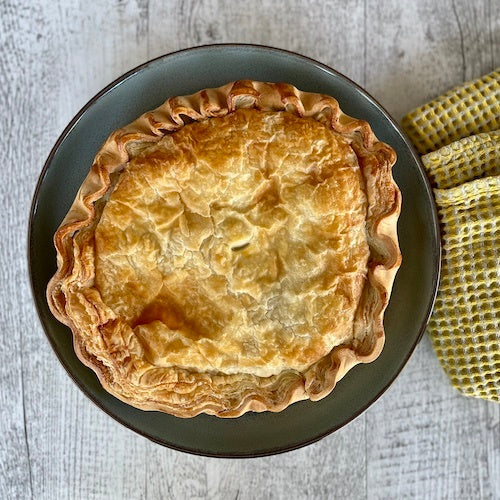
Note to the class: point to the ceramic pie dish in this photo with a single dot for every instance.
(253, 433)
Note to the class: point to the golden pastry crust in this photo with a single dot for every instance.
(230, 251)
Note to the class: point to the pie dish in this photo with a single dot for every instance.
(231, 251)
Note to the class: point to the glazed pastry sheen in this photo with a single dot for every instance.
(230, 251)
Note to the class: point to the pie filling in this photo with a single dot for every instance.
(237, 244)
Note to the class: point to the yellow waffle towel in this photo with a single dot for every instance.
(458, 135)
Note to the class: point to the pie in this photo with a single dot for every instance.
(230, 251)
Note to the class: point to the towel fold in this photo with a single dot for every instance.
(459, 137)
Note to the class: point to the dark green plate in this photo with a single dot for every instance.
(185, 72)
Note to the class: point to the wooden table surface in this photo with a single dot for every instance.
(422, 439)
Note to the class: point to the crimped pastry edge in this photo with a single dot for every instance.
(376, 160)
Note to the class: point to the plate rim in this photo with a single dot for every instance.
(436, 257)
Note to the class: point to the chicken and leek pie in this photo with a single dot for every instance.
(230, 251)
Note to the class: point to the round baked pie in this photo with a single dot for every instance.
(230, 251)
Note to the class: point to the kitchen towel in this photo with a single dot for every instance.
(458, 136)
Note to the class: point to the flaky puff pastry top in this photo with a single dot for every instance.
(230, 251)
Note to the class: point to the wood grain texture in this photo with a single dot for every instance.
(420, 440)
(425, 439)
(426, 47)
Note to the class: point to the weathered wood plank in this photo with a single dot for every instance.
(492, 446)
(418, 50)
(16, 311)
(424, 439)
(328, 31)
(312, 472)
(54, 58)
(425, 435)
(209, 21)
